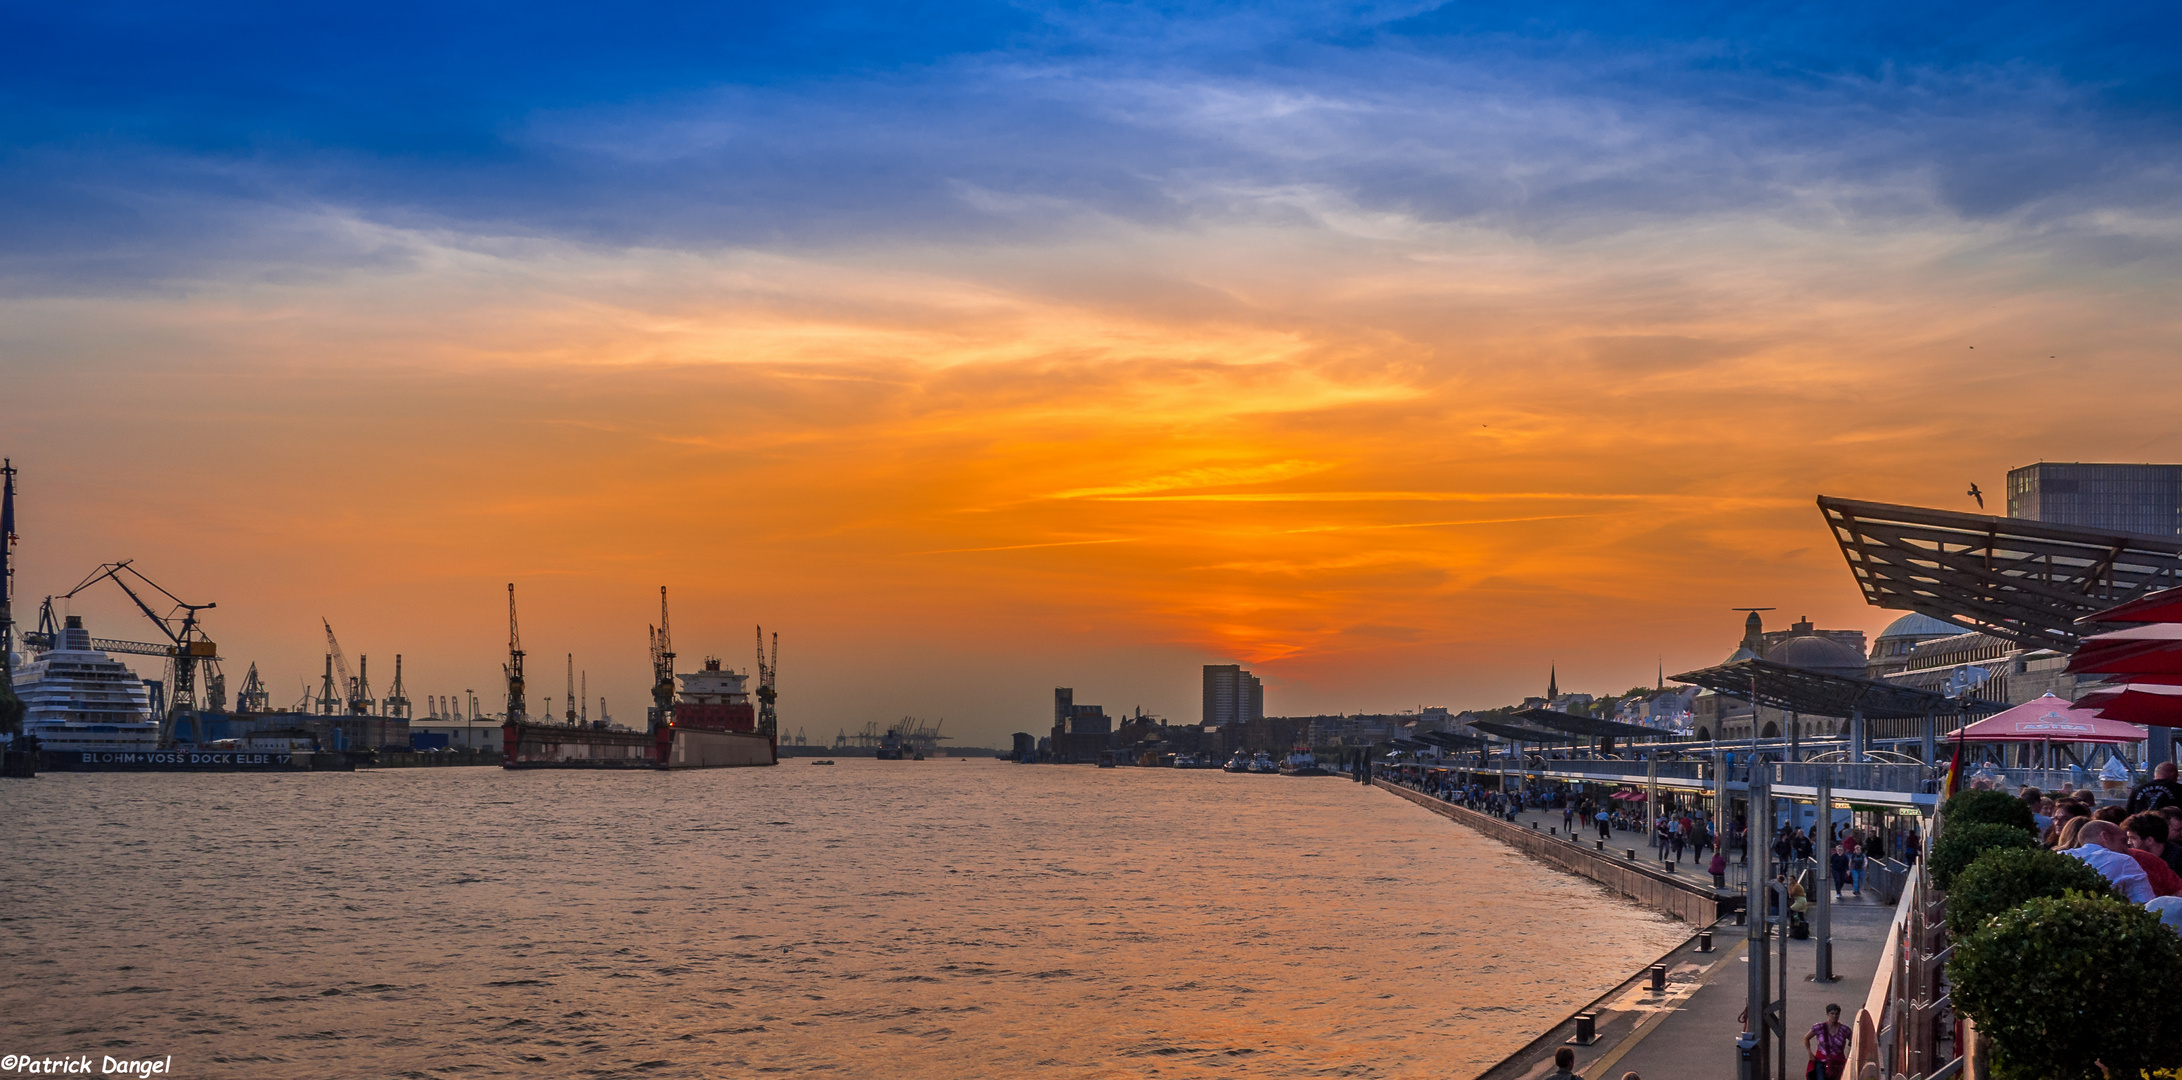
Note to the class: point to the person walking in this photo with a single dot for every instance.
(1857, 861)
(1828, 1044)
(1606, 828)
(1838, 863)
(1718, 869)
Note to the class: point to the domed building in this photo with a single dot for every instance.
(1890, 653)
(1802, 645)
(1812, 650)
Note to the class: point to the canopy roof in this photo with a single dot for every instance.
(2049, 719)
(1519, 733)
(2026, 581)
(1583, 725)
(1815, 693)
(1451, 740)
(2164, 606)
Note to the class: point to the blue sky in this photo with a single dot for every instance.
(148, 141)
(1400, 350)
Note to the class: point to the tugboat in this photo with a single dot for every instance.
(1302, 763)
(1236, 764)
(1262, 765)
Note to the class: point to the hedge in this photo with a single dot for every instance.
(2001, 878)
(2072, 988)
(1988, 807)
(1960, 845)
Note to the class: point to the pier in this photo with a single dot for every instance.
(1681, 1016)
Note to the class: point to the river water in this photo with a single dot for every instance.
(947, 918)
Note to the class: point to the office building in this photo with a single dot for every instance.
(2143, 499)
(1232, 695)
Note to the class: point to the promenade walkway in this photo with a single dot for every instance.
(1689, 1031)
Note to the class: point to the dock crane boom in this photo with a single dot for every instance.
(768, 720)
(190, 648)
(513, 669)
(662, 668)
(350, 686)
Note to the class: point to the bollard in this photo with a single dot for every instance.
(1659, 978)
(1551, 830)
(1632, 854)
(1601, 844)
(1704, 941)
(1587, 1029)
(1742, 917)
(1534, 826)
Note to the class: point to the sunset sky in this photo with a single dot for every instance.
(1397, 351)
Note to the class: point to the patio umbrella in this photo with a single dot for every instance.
(2164, 606)
(2144, 705)
(2049, 719)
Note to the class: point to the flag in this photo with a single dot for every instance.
(1954, 773)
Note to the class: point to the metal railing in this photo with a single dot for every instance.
(1905, 1025)
(1867, 776)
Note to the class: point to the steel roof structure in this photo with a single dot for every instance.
(1451, 740)
(1815, 693)
(2026, 581)
(1519, 733)
(1585, 725)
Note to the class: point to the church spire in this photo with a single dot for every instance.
(1553, 683)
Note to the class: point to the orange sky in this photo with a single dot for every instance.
(1382, 462)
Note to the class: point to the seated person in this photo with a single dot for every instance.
(2099, 847)
(2147, 833)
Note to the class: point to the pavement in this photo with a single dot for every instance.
(1689, 1031)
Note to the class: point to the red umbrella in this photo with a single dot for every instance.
(2049, 719)
(2139, 706)
(2164, 606)
(2133, 658)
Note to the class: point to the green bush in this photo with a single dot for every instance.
(2001, 878)
(1960, 845)
(1988, 807)
(2063, 986)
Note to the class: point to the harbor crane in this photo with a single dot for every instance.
(571, 698)
(354, 690)
(513, 669)
(768, 720)
(327, 695)
(253, 697)
(662, 668)
(188, 648)
(397, 697)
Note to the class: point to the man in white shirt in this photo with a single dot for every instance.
(2101, 850)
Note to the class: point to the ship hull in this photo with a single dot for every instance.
(553, 746)
(703, 748)
(191, 761)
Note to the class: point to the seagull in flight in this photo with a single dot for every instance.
(1978, 495)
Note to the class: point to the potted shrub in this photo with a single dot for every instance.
(2072, 988)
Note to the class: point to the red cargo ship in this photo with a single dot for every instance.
(709, 724)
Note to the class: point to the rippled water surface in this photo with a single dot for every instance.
(954, 918)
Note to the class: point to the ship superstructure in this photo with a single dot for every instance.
(78, 698)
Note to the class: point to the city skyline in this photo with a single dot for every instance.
(1392, 353)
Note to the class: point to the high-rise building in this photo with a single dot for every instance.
(1232, 695)
(2117, 498)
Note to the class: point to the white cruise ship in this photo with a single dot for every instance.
(79, 698)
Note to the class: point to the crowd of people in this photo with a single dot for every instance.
(2137, 847)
